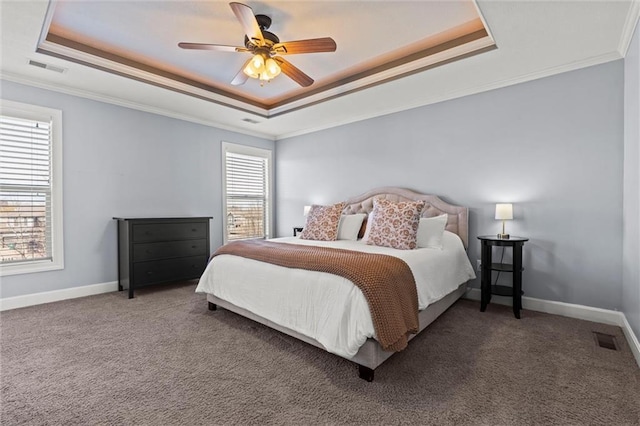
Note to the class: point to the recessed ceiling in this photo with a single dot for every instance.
(141, 41)
(391, 55)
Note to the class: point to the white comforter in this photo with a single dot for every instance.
(325, 307)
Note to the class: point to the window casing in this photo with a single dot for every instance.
(30, 189)
(247, 188)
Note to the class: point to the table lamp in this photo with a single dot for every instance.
(504, 212)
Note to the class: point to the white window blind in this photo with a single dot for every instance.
(31, 234)
(246, 195)
(25, 190)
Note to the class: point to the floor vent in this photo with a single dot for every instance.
(606, 341)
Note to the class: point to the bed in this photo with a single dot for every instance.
(329, 311)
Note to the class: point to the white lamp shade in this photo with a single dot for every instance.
(305, 212)
(272, 68)
(504, 211)
(254, 67)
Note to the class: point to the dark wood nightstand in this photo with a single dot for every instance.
(516, 243)
(297, 229)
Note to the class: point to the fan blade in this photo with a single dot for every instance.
(241, 77)
(293, 73)
(248, 21)
(314, 45)
(216, 47)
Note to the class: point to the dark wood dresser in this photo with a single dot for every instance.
(161, 250)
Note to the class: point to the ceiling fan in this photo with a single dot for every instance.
(266, 48)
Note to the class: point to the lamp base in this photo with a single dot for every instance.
(503, 236)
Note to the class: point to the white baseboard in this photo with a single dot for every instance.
(634, 344)
(588, 313)
(56, 295)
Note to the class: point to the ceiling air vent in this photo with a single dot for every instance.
(250, 120)
(46, 66)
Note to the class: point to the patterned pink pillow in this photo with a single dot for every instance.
(322, 223)
(394, 224)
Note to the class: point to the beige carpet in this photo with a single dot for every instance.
(163, 358)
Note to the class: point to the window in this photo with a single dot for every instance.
(30, 189)
(246, 192)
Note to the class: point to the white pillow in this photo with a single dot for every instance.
(367, 230)
(430, 231)
(349, 226)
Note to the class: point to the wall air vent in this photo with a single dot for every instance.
(47, 66)
(250, 120)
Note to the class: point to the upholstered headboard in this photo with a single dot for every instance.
(458, 220)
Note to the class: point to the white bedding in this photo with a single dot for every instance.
(325, 307)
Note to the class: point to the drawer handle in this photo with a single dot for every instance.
(194, 230)
(149, 272)
(194, 247)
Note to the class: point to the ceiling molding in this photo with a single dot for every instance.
(464, 46)
(345, 90)
(466, 92)
(122, 66)
(631, 24)
(432, 100)
(471, 45)
(128, 104)
(143, 76)
(448, 50)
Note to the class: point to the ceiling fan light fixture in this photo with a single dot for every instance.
(265, 46)
(262, 67)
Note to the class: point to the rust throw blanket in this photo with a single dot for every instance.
(386, 281)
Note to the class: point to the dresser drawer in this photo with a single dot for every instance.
(158, 271)
(169, 231)
(169, 249)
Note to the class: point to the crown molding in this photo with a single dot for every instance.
(612, 56)
(597, 60)
(128, 104)
(630, 24)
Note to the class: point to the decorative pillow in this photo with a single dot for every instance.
(349, 226)
(431, 230)
(394, 224)
(322, 223)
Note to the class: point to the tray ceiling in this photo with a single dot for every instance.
(140, 40)
(125, 53)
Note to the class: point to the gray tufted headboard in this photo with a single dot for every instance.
(458, 221)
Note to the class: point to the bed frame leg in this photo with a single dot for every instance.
(365, 373)
(212, 306)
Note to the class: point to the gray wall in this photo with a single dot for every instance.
(123, 162)
(631, 233)
(553, 147)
